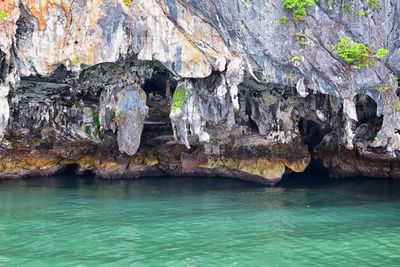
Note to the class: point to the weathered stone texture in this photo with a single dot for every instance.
(102, 75)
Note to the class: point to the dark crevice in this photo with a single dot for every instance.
(159, 89)
(315, 174)
(3, 66)
(160, 83)
(311, 132)
(251, 123)
(366, 108)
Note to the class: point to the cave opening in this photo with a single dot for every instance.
(248, 114)
(250, 123)
(160, 83)
(159, 88)
(311, 132)
(366, 109)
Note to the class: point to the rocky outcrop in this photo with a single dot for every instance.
(169, 87)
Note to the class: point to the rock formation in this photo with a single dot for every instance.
(242, 88)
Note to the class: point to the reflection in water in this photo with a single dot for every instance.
(69, 221)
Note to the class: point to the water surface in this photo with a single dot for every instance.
(72, 221)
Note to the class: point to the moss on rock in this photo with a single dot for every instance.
(179, 99)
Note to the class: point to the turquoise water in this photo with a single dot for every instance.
(70, 221)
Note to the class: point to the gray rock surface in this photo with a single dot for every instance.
(104, 72)
(127, 109)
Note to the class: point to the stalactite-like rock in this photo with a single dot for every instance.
(252, 97)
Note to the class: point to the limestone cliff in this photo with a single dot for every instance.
(251, 89)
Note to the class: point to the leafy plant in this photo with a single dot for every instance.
(381, 52)
(382, 88)
(301, 38)
(397, 106)
(295, 59)
(357, 54)
(128, 3)
(374, 4)
(96, 124)
(330, 4)
(179, 99)
(3, 14)
(118, 116)
(246, 3)
(363, 13)
(352, 52)
(93, 130)
(88, 131)
(299, 7)
(300, 14)
(302, 41)
(96, 119)
(347, 7)
(283, 20)
(75, 62)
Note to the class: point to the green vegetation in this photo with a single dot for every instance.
(330, 4)
(96, 119)
(75, 62)
(302, 41)
(374, 4)
(118, 116)
(283, 20)
(295, 59)
(354, 53)
(382, 88)
(88, 131)
(381, 52)
(96, 125)
(299, 7)
(179, 99)
(363, 13)
(3, 14)
(357, 54)
(397, 106)
(347, 7)
(301, 38)
(299, 14)
(128, 3)
(93, 131)
(246, 3)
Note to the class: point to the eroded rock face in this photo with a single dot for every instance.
(128, 110)
(195, 88)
